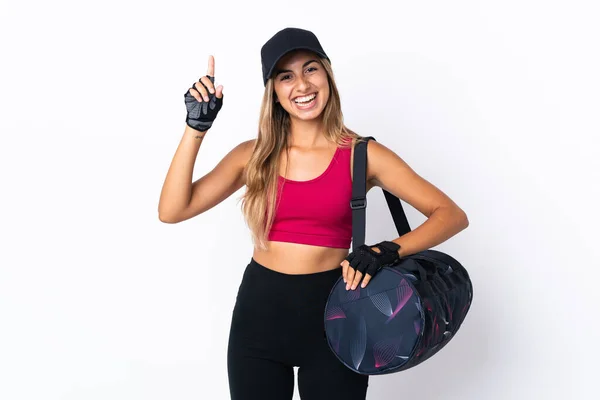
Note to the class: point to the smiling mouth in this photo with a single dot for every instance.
(305, 100)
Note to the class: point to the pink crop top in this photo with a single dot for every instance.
(317, 212)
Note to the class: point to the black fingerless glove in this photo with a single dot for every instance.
(368, 261)
(200, 115)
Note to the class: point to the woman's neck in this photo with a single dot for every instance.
(306, 134)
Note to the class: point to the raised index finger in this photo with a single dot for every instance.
(211, 66)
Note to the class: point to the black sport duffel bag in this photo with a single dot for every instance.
(407, 312)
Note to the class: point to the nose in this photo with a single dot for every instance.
(303, 83)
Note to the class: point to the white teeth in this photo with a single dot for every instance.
(305, 98)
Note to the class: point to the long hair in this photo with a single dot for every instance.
(262, 169)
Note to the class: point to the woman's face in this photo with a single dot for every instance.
(301, 85)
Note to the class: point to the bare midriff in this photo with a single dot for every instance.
(296, 258)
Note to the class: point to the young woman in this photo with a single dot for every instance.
(298, 178)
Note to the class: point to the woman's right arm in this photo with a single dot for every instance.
(180, 199)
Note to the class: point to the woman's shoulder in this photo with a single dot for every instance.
(245, 150)
(248, 145)
(239, 156)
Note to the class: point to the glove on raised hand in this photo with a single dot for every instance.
(368, 261)
(201, 115)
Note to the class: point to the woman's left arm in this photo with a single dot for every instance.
(444, 217)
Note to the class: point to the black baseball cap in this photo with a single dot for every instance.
(283, 42)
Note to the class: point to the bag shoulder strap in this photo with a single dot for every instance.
(358, 203)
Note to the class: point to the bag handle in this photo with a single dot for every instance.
(358, 203)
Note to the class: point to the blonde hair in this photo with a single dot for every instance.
(262, 169)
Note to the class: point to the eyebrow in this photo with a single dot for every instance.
(279, 71)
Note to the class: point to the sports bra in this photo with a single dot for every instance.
(316, 212)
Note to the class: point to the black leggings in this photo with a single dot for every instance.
(277, 324)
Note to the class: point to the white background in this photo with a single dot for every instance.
(495, 102)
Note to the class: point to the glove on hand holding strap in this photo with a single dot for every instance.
(200, 115)
(368, 261)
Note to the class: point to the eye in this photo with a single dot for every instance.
(284, 76)
(311, 68)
